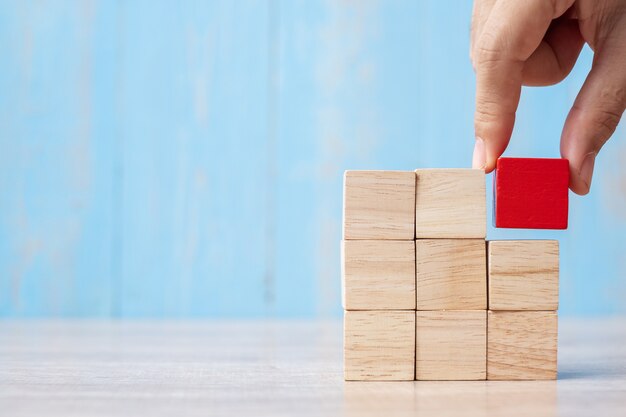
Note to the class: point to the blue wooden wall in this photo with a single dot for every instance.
(184, 159)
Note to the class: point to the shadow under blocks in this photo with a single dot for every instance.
(427, 297)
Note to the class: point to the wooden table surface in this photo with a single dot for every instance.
(291, 368)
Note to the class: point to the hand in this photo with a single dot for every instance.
(536, 43)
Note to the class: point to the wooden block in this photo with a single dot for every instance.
(451, 345)
(450, 203)
(378, 274)
(523, 274)
(379, 205)
(379, 345)
(451, 274)
(521, 345)
(531, 193)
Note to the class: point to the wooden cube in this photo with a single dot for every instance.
(451, 274)
(450, 203)
(523, 274)
(379, 205)
(451, 345)
(378, 274)
(531, 193)
(521, 345)
(379, 345)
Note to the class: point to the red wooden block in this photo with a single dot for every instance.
(531, 193)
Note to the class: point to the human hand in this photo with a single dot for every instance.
(536, 43)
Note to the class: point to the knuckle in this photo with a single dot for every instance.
(492, 106)
(490, 119)
(486, 112)
(603, 118)
(605, 122)
(486, 54)
(488, 48)
(613, 98)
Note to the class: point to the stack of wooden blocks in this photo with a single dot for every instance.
(426, 297)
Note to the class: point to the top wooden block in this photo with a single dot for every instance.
(531, 193)
(450, 204)
(379, 205)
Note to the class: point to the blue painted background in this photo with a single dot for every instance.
(185, 160)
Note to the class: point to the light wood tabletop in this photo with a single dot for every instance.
(258, 368)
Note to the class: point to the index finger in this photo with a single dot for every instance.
(511, 34)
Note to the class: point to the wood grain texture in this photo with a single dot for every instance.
(523, 274)
(521, 345)
(451, 274)
(195, 368)
(379, 345)
(451, 345)
(379, 205)
(378, 274)
(450, 203)
(531, 193)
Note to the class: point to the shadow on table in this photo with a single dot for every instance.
(588, 371)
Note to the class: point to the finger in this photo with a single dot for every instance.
(596, 112)
(511, 34)
(556, 55)
(480, 13)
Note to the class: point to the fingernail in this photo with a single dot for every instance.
(479, 160)
(586, 169)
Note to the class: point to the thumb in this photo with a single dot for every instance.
(596, 112)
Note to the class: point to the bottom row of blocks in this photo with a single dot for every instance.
(450, 345)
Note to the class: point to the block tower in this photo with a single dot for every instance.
(426, 297)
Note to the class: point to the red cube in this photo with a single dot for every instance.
(531, 193)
